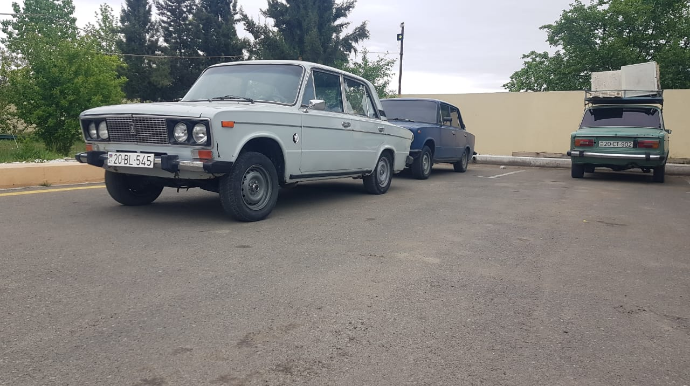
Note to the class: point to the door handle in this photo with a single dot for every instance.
(346, 124)
(382, 129)
(453, 132)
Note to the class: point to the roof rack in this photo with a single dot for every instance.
(624, 97)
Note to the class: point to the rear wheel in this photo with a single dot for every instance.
(250, 191)
(421, 167)
(577, 170)
(659, 173)
(131, 190)
(379, 180)
(461, 166)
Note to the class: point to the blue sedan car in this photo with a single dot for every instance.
(440, 135)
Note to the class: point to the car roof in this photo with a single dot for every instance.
(307, 65)
(420, 100)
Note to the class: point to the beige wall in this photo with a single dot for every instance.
(504, 123)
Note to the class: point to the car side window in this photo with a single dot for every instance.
(445, 114)
(327, 88)
(455, 116)
(357, 99)
(308, 92)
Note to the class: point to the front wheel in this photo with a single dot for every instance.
(659, 174)
(250, 191)
(421, 167)
(461, 166)
(131, 190)
(379, 180)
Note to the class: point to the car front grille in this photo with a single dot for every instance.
(138, 129)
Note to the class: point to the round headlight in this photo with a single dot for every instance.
(199, 133)
(93, 134)
(180, 132)
(103, 130)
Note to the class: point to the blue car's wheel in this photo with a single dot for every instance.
(421, 167)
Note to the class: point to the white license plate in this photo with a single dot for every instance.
(134, 160)
(615, 144)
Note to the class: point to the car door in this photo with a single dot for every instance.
(327, 139)
(448, 146)
(367, 130)
(459, 130)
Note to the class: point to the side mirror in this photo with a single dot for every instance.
(447, 120)
(669, 131)
(317, 104)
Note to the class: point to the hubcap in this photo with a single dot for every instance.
(464, 160)
(426, 163)
(383, 172)
(256, 187)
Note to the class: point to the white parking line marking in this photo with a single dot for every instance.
(502, 175)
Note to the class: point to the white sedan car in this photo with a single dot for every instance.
(243, 130)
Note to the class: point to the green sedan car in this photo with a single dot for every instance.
(620, 133)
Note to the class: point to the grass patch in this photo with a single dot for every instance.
(31, 151)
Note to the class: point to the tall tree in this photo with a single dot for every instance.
(604, 35)
(181, 38)
(59, 73)
(311, 30)
(147, 75)
(216, 28)
(106, 30)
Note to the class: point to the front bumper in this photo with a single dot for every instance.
(169, 163)
(616, 156)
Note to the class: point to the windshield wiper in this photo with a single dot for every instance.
(400, 119)
(232, 97)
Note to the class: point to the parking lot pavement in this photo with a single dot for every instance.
(522, 277)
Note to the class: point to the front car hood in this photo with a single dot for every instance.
(412, 126)
(183, 109)
(618, 132)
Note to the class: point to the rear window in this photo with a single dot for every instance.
(622, 117)
(417, 111)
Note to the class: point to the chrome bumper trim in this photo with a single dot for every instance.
(642, 157)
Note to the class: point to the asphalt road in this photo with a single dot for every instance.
(529, 278)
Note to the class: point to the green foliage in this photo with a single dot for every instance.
(59, 75)
(378, 71)
(27, 148)
(311, 30)
(605, 35)
(216, 31)
(105, 32)
(147, 78)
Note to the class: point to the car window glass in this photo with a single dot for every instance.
(357, 99)
(411, 110)
(455, 116)
(445, 113)
(327, 88)
(308, 92)
(622, 117)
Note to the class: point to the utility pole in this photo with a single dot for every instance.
(401, 39)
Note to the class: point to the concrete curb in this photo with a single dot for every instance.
(671, 169)
(62, 173)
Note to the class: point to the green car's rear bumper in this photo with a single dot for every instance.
(646, 159)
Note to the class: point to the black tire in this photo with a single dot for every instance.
(421, 167)
(659, 174)
(131, 190)
(461, 166)
(577, 170)
(379, 180)
(250, 191)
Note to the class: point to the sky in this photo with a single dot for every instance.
(451, 46)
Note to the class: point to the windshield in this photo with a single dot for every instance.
(276, 83)
(417, 111)
(622, 117)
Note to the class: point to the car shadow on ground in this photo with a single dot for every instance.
(630, 177)
(205, 207)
